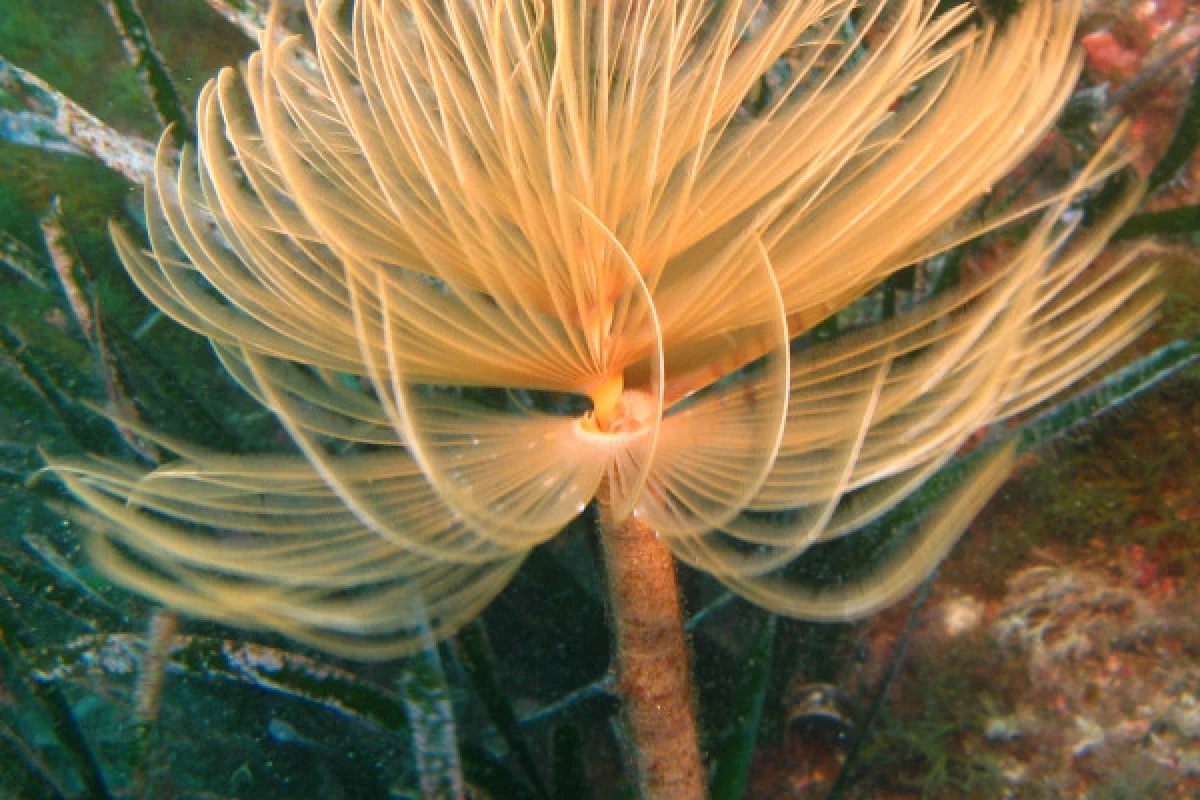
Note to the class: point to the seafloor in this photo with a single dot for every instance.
(1057, 654)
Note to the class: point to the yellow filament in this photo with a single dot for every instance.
(606, 401)
(550, 196)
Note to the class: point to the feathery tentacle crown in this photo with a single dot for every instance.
(562, 196)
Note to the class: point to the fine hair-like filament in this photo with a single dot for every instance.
(567, 200)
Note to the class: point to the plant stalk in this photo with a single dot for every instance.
(653, 673)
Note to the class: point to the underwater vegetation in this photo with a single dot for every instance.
(735, 286)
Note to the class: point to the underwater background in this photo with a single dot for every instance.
(1055, 654)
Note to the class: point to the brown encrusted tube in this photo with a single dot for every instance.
(653, 675)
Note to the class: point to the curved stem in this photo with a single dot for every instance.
(653, 675)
